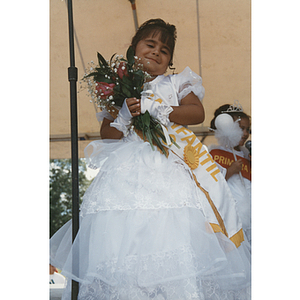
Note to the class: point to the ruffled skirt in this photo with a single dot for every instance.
(143, 233)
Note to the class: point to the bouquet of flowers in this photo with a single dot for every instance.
(111, 82)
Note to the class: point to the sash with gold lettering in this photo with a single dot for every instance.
(225, 159)
(220, 206)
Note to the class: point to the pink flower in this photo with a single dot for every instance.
(122, 70)
(104, 89)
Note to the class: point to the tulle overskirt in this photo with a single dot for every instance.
(143, 233)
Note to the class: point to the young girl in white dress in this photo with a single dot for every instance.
(155, 226)
(237, 172)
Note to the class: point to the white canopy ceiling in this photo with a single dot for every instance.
(222, 55)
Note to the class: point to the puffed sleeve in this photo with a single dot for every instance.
(188, 81)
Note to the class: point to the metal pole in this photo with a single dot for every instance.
(198, 30)
(72, 76)
(134, 14)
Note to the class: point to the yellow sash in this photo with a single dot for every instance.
(220, 207)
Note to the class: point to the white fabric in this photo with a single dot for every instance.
(143, 230)
(57, 285)
(210, 178)
(156, 110)
(172, 88)
(56, 291)
(241, 193)
(144, 163)
(103, 114)
(56, 278)
(186, 82)
(123, 120)
(229, 135)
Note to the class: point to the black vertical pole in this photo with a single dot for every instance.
(72, 74)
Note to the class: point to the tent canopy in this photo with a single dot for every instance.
(222, 55)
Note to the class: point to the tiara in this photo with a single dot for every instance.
(235, 107)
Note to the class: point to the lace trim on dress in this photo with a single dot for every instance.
(158, 277)
(188, 81)
(187, 88)
(194, 289)
(139, 194)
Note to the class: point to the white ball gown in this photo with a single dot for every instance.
(144, 232)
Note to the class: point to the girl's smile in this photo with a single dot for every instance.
(155, 55)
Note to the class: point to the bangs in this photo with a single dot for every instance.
(166, 34)
(164, 37)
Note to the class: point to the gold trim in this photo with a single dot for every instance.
(238, 238)
(216, 228)
(219, 218)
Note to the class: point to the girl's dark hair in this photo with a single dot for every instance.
(233, 114)
(155, 26)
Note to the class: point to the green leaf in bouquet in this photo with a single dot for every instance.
(118, 100)
(138, 92)
(126, 91)
(117, 88)
(142, 122)
(119, 94)
(130, 55)
(112, 57)
(138, 123)
(149, 138)
(127, 81)
(101, 60)
(138, 76)
(158, 143)
(102, 71)
(161, 135)
(102, 78)
(146, 118)
(139, 72)
(138, 82)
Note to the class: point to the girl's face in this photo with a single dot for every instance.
(155, 55)
(245, 126)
